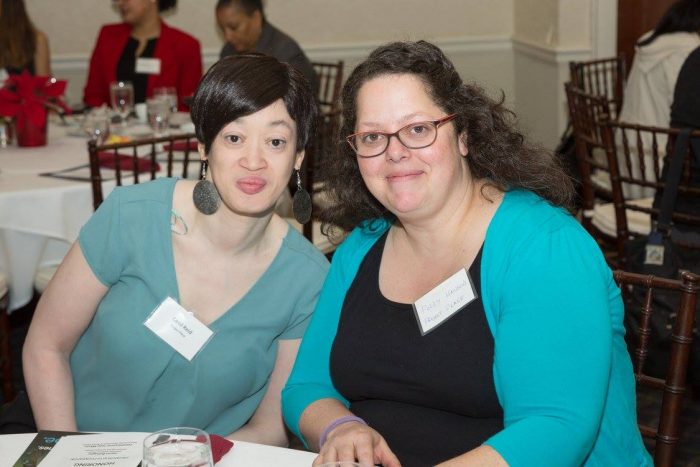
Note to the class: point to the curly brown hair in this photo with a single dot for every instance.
(498, 151)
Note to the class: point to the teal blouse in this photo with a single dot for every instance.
(561, 368)
(128, 379)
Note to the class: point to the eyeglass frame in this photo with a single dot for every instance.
(436, 123)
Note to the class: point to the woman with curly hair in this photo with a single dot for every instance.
(468, 318)
(22, 46)
(144, 50)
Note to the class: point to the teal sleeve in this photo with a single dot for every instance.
(100, 240)
(310, 379)
(311, 283)
(553, 348)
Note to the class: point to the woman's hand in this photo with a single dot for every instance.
(355, 441)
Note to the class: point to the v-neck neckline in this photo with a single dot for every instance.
(175, 285)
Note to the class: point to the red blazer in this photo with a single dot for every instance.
(180, 63)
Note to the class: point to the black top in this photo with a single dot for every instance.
(126, 67)
(432, 397)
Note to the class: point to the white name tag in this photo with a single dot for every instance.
(178, 328)
(438, 305)
(148, 66)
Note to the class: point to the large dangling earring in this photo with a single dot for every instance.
(205, 197)
(301, 203)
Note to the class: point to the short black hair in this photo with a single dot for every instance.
(249, 6)
(241, 85)
(166, 4)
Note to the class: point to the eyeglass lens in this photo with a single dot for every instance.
(413, 136)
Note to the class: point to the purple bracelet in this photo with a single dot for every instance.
(335, 423)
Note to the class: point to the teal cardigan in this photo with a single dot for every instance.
(561, 368)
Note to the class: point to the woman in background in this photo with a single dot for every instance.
(145, 51)
(22, 46)
(658, 58)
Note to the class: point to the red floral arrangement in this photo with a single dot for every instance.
(28, 96)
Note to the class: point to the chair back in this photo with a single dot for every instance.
(176, 152)
(603, 78)
(586, 113)
(330, 80)
(636, 155)
(671, 388)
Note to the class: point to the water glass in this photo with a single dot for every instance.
(96, 125)
(168, 93)
(121, 94)
(177, 447)
(158, 111)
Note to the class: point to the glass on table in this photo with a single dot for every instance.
(96, 125)
(168, 93)
(158, 111)
(177, 447)
(121, 94)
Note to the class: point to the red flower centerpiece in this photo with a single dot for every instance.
(25, 98)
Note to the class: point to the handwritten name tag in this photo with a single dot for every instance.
(148, 66)
(438, 305)
(178, 328)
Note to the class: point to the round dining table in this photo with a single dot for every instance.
(40, 214)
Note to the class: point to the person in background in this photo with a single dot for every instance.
(649, 93)
(22, 46)
(143, 49)
(246, 29)
(207, 256)
(468, 318)
(658, 57)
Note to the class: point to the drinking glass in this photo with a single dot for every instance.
(121, 94)
(96, 125)
(177, 447)
(158, 111)
(168, 93)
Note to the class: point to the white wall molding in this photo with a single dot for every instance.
(325, 52)
(548, 54)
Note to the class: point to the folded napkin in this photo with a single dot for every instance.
(180, 146)
(219, 447)
(126, 162)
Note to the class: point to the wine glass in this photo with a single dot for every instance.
(121, 94)
(177, 447)
(96, 125)
(168, 93)
(158, 111)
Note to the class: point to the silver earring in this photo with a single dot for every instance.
(301, 203)
(205, 197)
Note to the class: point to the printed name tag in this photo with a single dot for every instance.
(148, 66)
(178, 328)
(438, 305)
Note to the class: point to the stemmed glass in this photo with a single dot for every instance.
(96, 125)
(168, 93)
(158, 110)
(177, 447)
(121, 94)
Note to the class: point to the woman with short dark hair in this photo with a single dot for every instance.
(468, 318)
(146, 51)
(207, 257)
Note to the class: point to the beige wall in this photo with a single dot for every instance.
(72, 25)
(520, 47)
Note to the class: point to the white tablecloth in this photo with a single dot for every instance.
(241, 455)
(39, 216)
